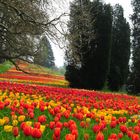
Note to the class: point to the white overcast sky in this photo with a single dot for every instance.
(59, 53)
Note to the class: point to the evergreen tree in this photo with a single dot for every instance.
(78, 38)
(44, 55)
(96, 64)
(120, 53)
(90, 43)
(134, 80)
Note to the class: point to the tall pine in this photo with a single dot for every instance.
(89, 44)
(44, 55)
(120, 53)
(78, 38)
(134, 80)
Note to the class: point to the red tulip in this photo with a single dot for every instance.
(137, 129)
(100, 136)
(113, 137)
(42, 119)
(124, 119)
(130, 128)
(66, 114)
(113, 124)
(75, 132)
(102, 125)
(56, 110)
(96, 128)
(36, 133)
(120, 119)
(55, 138)
(113, 118)
(37, 125)
(59, 125)
(52, 125)
(135, 137)
(31, 115)
(123, 128)
(129, 134)
(42, 108)
(15, 131)
(133, 120)
(1, 105)
(120, 135)
(70, 137)
(27, 130)
(82, 124)
(56, 119)
(57, 132)
(66, 124)
(23, 124)
(102, 117)
(73, 126)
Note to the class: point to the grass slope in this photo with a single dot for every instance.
(5, 66)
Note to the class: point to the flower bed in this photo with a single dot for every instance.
(45, 113)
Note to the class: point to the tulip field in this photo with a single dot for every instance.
(34, 78)
(32, 107)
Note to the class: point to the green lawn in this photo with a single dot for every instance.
(5, 66)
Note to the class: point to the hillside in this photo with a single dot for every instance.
(37, 75)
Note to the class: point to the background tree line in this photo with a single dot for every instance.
(99, 46)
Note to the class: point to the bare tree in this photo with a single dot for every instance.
(20, 22)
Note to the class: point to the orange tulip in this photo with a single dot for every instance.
(70, 137)
(100, 136)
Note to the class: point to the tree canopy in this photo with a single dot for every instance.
(20, 22)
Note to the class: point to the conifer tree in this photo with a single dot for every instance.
(120, 53)
(134, 79)
(89, 44)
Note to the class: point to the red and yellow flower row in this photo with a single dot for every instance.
(19, 77)
(40, 112)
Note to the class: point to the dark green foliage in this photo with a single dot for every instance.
(120, 53)
(134, 79)
(73, 76)
(90, 43)
(97, 64)
(17, 27)
(44, 55)
(78, 38)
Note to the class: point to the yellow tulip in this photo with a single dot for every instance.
(8, 128)
(29, 123)
(42, 128)
(88, 120)
(15, 122)
(21, 118)
(2, 122)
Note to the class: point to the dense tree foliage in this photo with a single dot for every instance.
(78, 37)
(44, 55)
(90, 42)
(134, 79)
(120, 53)
(20, 22)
